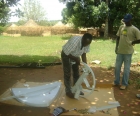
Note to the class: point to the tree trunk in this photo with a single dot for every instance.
(106, 28)
(106, 25)
(110, 27)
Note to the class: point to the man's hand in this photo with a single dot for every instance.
(135, 42)
(132, 43)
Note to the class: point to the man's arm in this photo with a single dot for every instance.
(117, 43)
(84, 58)
(135, 42)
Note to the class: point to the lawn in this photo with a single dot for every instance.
(15, 50)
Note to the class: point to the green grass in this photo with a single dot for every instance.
(32, 49)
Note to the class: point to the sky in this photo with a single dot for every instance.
(52, 7)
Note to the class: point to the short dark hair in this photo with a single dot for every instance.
(87, 36)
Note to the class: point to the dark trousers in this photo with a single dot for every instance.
(68, 68)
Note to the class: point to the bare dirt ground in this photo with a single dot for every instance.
(130, 105)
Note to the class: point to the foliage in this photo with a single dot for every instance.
(33, 10)
(138, 83)
(47, 23)
(44, 23)
(20, 22)
(85, 14)
(118, 8)
(135, 80)
(135, 10)
(2, 29)
(88, 13)
(5, 10)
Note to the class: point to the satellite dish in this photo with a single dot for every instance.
(39, 96)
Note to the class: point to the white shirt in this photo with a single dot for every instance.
(73, 47)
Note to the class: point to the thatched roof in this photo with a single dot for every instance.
(12, 27)
(30, 23)
(68, 25)
(59, 24)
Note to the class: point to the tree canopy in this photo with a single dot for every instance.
(32, 9)
(5, 10)
(88, 13)
(85, 14)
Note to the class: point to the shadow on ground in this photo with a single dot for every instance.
(130, 105)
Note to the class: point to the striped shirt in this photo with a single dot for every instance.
(73, 47)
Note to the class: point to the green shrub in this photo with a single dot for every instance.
(2, 29)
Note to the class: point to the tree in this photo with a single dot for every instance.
(87, 13)
(118, 8)
(106, 24)
(32, 9)
(5, 10)
(135, 10)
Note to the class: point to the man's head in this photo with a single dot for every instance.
(127, 19)
(86, 39)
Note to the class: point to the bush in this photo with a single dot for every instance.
(2, 29)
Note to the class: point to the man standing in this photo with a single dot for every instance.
(127, 36)
(75, 47)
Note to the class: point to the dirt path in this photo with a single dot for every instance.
(130, 105)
